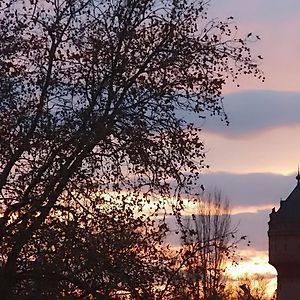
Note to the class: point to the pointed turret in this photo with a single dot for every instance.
(284, 244)
(298, 177)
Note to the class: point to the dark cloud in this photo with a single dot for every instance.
(252, 189)
(256, 10)
(255, 227)
(253, 111)
(252, 225)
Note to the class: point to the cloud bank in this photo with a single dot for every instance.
(254, 189)
(251, 112)
(257, 10)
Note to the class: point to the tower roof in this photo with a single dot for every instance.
(289, 210)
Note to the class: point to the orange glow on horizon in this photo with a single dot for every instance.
(251, 208)
(254, 263)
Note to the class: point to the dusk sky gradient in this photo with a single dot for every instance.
(254, 160)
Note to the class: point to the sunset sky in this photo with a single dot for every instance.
(254, 160)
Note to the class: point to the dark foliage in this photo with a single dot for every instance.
(90, 97)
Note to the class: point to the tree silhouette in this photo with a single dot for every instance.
(91, 97)
(208, 242)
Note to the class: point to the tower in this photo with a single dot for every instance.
(284, 245)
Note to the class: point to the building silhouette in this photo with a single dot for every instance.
(284, 245)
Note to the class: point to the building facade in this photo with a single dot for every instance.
(284, 245)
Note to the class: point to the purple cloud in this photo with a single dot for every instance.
(254, 189)
(253, 111)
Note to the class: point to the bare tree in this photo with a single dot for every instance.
(90, 92)
(209, 239)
